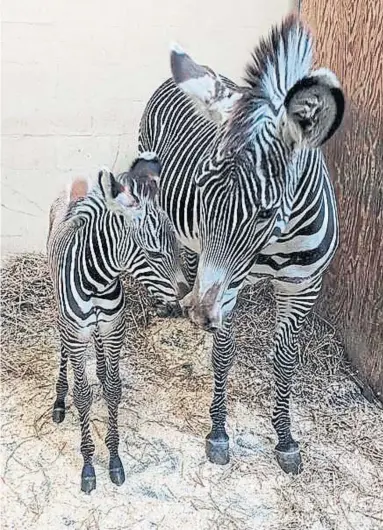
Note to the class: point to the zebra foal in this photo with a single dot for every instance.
(94, 235)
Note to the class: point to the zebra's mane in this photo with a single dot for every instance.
(278, 62)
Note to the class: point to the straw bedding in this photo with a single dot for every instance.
(164, 417)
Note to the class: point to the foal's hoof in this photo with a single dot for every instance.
(116, 471)
(217, 450)
(88, 478)
(290, 460)
(58, 413)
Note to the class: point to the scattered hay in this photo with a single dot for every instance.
(27, 309)
(164, 416)
(28, 312)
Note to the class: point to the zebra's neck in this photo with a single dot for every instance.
(184, 140)
(101, 246)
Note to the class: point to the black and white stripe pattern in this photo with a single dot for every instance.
(247, 188)
(117, 226)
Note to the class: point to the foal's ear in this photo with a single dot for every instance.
(314, 109)
(109, 186)
(118, 198)
(212, 97)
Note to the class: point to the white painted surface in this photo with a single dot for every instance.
(75, 80)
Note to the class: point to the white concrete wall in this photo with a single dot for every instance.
(76, 77)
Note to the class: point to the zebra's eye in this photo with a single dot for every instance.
(266, 214)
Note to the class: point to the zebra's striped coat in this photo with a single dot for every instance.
(247, 188)
(117, 226)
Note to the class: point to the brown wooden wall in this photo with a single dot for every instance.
(349, 40)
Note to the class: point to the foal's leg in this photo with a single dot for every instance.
(217, 441)
(58, 413)
(100, 357)
(294, 302)
(82, 398)
(112, 336)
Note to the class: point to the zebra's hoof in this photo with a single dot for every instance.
(290, 461)
(88, 478)
(116, 471)
(58, 413)
(217, 450)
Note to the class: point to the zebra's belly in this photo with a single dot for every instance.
(293, 273)
(276, 262)
(273, 262)
(77, 323)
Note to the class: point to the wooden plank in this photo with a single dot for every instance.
(349, 40)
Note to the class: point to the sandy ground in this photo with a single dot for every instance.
(163, 421)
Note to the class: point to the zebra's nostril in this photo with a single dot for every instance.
(207, 325)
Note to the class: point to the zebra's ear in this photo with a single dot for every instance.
(118, 198)
(212, 97)
(314, 109)
(145, 174)
(109, 186)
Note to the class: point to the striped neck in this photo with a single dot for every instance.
(104, 240)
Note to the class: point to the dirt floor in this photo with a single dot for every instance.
(164, 418)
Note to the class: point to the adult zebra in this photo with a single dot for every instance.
(95, 234)
(247, 188)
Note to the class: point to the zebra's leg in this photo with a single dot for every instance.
(100, 357)
(112, 337)
(294, 302)
(58, 413)
(82, 398)
(217, 441)
(191, 265)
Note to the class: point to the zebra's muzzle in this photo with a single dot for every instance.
(204, 313)
(168, 309)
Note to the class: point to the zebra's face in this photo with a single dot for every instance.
(246, 183)
(156, 260)
(242, 210)
(158, 264)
